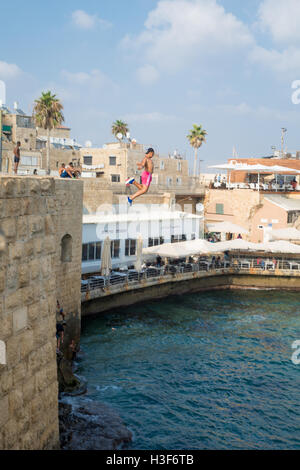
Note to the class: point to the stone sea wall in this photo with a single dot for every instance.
(35, 214)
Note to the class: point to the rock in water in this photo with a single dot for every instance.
(91, 426)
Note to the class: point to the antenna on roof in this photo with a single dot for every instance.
(234, 152)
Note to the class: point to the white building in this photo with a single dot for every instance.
(155, 223)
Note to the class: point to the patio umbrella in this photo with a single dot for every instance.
(290, 233)
(106, 258)
(226, 227)
(139, 251)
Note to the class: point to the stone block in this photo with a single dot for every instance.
(9, 228)
(35, 225)
(8, 187)
(28, 390)
(6, 326)
(15, 399)
(6, 382)
(12, 301)
(20, 319)
(4, 411)
(26, 344)
(34, 186)
(24, 275)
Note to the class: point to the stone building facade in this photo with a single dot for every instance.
(254, 211)
(36, 214)
(117, 161)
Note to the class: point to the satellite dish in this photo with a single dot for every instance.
(133, 141)
(104, 146)
(119, 136)
(127, 135)
(199, 207)
(88, 144)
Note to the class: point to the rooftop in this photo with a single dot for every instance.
(285, 203)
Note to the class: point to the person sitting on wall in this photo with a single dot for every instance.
(65, 172)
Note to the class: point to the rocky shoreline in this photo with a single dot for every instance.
(91, 426)
(85, 424)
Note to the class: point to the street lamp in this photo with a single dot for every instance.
(283, 131)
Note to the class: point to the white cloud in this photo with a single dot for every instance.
(259, 112)
(83, 20)
(149, 117)
(181, 31)
(285, 62)
(8, 71)
(281, 18)
(93, 79)
(147, 74)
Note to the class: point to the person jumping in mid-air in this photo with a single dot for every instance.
(147, 164)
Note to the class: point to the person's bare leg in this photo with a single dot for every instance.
(140, 192)
(138, 185)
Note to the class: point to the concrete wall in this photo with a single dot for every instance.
(184, 284)
(33, 212)
(239, 206)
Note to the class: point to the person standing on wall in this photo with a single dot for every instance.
(17, 157)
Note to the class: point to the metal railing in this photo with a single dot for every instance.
(237, 265)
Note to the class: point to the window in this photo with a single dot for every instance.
(84, 252)
(29, 161)
(219, 208)
(115, 178)
(112, 161)
(91, 251)
(24, 121)
(115, 248)
(88, 160)
(293, 216)
(66, 249)
(130, 247)
(169, 181)
(275, 221)
(155, 241)
(179, 166)
(178, 238)
(178, 181)
(264, 221)
(162, 165)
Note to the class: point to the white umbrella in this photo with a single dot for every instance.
(139, 251)
(106, 258)
(289, 233)
(226, 227)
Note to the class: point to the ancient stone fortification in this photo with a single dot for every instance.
(38, 217)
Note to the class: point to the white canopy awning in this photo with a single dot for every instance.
(202, 247)
(225, 227)
(257, 168)
(289, 233)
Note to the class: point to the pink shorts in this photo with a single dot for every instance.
(146, 178)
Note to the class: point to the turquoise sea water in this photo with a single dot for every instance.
(202, 371)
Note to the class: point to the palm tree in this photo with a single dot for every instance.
(196, 138)
(119, 127)
(48, 115)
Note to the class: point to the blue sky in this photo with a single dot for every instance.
(161, 66)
